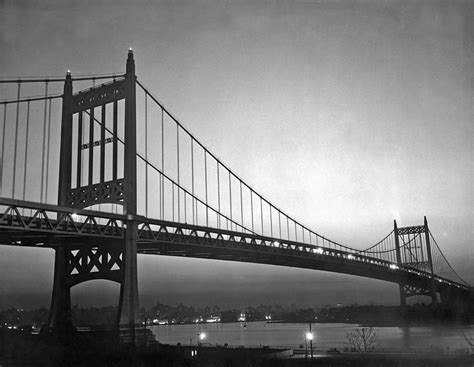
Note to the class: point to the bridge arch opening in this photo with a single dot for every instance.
(116, 208)
(94, 303)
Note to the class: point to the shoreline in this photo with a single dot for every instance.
(361, 324)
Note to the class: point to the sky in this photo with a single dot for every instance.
(345, 114)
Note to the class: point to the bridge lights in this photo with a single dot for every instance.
(350, 257)
(393, 267)
(319, 251)
(309, 336)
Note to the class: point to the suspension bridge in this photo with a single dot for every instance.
(107, 172)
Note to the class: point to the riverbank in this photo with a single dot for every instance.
(101, 349)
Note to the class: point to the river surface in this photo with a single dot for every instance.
(326, 336)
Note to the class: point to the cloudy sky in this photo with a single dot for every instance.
(346, 114)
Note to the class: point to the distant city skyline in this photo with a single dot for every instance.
(346, 115)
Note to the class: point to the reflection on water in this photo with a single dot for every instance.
(325, 335)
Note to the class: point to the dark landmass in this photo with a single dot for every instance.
(99, 345)
(100, 348)
(417, 314)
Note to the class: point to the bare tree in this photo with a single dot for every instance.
(361, 339)
(469, 339)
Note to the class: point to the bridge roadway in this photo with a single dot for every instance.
(41, 225)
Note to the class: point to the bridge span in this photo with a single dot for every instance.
(119, 195)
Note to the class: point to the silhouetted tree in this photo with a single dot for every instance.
(469, 339)
(361, 339)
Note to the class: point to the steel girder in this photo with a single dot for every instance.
(49, 226)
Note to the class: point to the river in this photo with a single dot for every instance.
(326, 336)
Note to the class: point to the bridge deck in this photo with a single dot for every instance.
(40, 225)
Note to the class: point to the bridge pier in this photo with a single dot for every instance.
(60, 318)
(76, 264)
(403, 299)
(128, 318)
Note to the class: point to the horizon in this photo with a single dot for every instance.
(225, 306)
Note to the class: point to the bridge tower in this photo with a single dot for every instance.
(415, 251)
(76, 261)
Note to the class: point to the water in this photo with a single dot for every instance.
(326, 336)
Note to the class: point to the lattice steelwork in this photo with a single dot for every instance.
(90, 186)
(99, 262)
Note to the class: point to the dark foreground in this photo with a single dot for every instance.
(101, 348)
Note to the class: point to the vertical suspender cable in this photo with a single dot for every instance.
(296, 233)
(287, 227)
(177, 169)
(16, 139)
(261, 213)
(146, 155)
(114, 144)
(392, 252)
(162, 201)
(218, 197)
(192, 178)
(172, 195)
(3, 145)
(279, 222)
(251, 207)
(44, 140)
(271, 219)
(185, 197)
(230, 198)
(241, 207)
(205, 187)
(47, 151)
(26, 147)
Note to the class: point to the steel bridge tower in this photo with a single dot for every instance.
(77, 262)
(416, 253)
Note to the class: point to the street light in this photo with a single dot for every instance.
(201, 336)
(310, 336)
